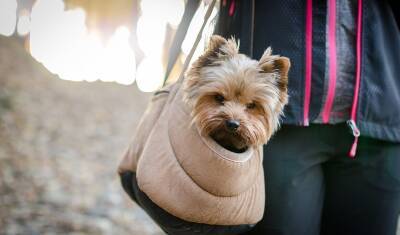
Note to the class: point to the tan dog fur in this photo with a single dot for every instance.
(224, 86)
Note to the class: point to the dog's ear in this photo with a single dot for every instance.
(218, 49)
(278, 66)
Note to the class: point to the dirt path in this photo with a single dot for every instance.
(60, 143)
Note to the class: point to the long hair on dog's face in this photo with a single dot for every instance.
(235, 100)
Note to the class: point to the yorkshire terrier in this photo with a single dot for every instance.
(235, 100)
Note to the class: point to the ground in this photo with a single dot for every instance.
(60, 143)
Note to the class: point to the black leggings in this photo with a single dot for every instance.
(313, 187)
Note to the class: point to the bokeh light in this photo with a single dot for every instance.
(151, 30)
(119, 58)
(61, 40)
(8, 17)
(151, 34)
(24, 22)
(66, 47)
(170, 11)
(150, 74)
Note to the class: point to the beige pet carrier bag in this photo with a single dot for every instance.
(191, 176)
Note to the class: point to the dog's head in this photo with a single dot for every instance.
(234, 98)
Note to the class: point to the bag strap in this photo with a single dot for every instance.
(175, 49)
(193, 49)
(196, 42)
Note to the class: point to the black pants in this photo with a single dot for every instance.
(313, 187)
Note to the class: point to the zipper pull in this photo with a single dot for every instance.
(356, 133)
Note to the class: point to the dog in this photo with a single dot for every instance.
(233, 99)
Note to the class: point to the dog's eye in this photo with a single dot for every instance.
(251, 105)
(219, 98)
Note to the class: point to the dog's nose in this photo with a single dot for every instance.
(232, 124)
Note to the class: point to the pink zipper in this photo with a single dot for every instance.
(308, 68)
(232, 8)
(332, 61)
(352, 122)
(332, 70)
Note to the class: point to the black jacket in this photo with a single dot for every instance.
(293, 27)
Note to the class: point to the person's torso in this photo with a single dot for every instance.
(345, 59)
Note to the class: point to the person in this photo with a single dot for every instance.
(334, 166)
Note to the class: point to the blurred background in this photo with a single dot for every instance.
(75, 77)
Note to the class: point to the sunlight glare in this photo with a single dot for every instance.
(170, 11)
(151, 34)
(8, 17)
(23, 24)
(120, 61)
(61, 41)
(150, 74)
(66, 48)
